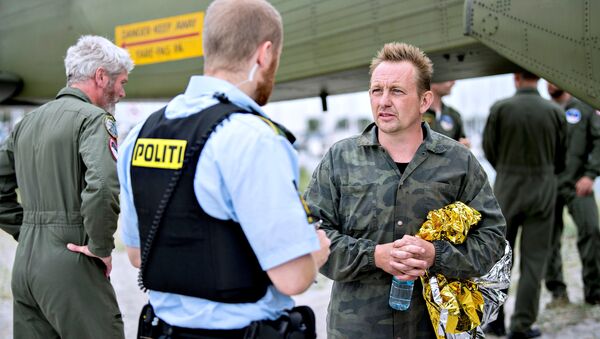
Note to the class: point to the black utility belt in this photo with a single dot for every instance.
(168, 331)
(297, 323)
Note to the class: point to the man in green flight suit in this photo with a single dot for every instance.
(373, 192)
(575, 190)
(443, 118)
(61, 157)
(525, 140)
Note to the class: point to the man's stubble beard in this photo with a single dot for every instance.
(110, 97)
(264, 89)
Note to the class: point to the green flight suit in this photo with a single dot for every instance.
(583, 134)
(525, 140)
(363, 200)
(59, 157)
(449, 124)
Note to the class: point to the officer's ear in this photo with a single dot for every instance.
(518, 78)
(266, 52)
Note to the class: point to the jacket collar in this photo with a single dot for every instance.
(527, 90)
(432, 141)
(74, 92)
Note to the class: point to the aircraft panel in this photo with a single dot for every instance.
(328, 44)
(566, 53)
(366, 30)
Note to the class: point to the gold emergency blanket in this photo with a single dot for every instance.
(454, 306)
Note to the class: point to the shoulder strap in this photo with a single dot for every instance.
(277, 128)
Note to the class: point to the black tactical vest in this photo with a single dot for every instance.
(190, 252)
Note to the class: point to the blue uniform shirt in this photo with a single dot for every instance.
(246, 173)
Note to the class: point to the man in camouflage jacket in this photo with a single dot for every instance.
(373, 192)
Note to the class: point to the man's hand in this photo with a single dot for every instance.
(411, 257)
(84, 249)
(383, 257)
(320, 256)
(584, 186)
(405, 261)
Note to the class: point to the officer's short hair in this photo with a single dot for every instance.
(398, 52)
(233, 30)
(528, 75)
(92, 52)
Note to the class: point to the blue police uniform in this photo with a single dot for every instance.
(245, 173)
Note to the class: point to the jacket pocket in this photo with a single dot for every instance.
(425, 197)
(358, 206)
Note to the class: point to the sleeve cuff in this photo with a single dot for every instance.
(100, 251)
(437, 264)
(129, 239)
(289, 253)
(591, 174)
(371, 256)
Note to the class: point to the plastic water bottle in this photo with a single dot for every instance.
(400, 294)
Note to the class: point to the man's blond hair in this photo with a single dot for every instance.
(398, 52)
(233, 30)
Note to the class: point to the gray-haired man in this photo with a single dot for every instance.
(62, 157)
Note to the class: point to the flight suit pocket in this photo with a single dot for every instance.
(358, 206)
(63, 235)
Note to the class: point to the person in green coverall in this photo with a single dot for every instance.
(525, 141)
(61, 157)
(575, 190)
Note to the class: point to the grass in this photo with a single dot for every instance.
(304, 179)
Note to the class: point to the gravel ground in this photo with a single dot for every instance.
(574, 321)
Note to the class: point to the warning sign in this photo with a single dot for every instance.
(161, 40)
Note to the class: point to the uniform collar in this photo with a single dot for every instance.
(528, 90)
(202, 86)
(74, 92)
(570, 103)
(431, 110)
(432, 141)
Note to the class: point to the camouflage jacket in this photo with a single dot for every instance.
(363, 200)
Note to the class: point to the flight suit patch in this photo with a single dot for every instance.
(112, 146)
(573, 115)
(447, 122)
(111, 126)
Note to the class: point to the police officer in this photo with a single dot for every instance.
(374, 191)
(221, 234)
(524, 140)
(443, 118)
(575, 190)
(62, 157)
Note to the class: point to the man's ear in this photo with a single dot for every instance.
(101, 77)
(517, 78)
(265, 54)
(426, 101)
